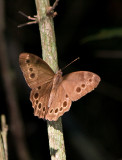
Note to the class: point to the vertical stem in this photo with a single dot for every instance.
(49, 53)
(46, 27)
(4, 134)
(2, 150)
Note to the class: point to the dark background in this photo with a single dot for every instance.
(91, 30)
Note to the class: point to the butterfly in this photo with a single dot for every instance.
(52, 94)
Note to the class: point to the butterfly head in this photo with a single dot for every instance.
(59, 72)
(57, 78)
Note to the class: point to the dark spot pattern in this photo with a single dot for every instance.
(66, 96)
(36, 101)
(39, 106)
(51, 110)
(39, 87)
(32, 75)
(90, 80)
(78, 89)
(56, 110)
(30, 69)
(83, 85)
(61, 109)
(27, 61)
(36, 95)
(64, 103)
(43, 109)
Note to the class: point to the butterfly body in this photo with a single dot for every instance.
(52, 94)
(56, 82)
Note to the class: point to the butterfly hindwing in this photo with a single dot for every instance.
(60, 104)
(40, 97)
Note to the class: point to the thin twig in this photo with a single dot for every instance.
(55, 4)
(33, 19)
(49, 53)
(50, 9)
(25, 24)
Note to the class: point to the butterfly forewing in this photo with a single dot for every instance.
(35, 70)
(78, 84)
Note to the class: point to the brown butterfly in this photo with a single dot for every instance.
(52, 94)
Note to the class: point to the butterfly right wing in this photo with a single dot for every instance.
(35, 70)
(78, 84)
(40, 98)
(60, 104)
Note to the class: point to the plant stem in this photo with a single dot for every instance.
(46, 27)
(49, 53)
(4, 127)
(2, 150)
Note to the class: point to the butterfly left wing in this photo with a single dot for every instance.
(40, 98)
(60, 104)
(35, 70)
(78, 84)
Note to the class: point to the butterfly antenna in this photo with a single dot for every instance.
(70, 63)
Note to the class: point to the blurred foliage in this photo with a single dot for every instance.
(103, 34)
